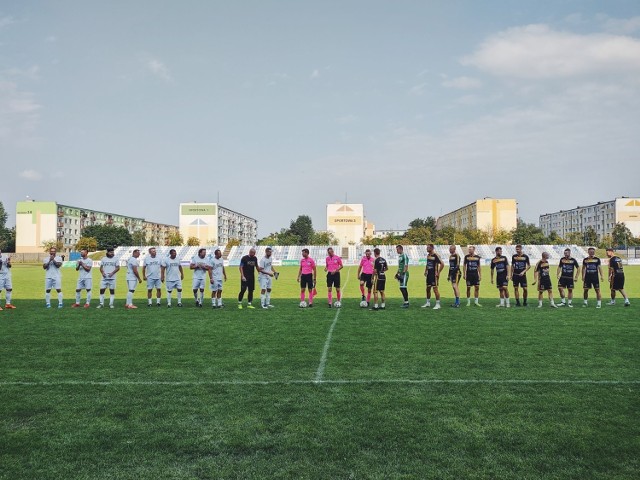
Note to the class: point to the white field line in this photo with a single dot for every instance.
(325, 350)
(372, 381)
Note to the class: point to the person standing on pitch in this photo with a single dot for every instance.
(307, 277)
(85, 280)
(133, 277)
(520, 264)
(591, 277)
(567, 273)
(217, 275)
(473, 275)
(616, 278)
(200, 266)
(454, 274)
(403, 274)
(333, 265)
(432, 273)
(248, 267)
(151, 273)
(380, 278)
(500, 264)
(109, 266)
(266, 276)
(172, 274)
(541, 275)
(5, 280)
(365, 274)
(53, 277)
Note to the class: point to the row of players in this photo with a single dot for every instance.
(371, 273)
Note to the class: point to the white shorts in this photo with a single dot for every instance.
(173, 285)
(198, 283)
(5, 283)
(109, 283)
(54, 283)
(84, 284)
(265, 282)
(215, 285)
(132, 284)
(153, 283)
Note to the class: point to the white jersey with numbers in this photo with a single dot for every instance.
(200, 273)
(217, 266)
(53, 272)
(82, 272)
(109, 265)
(172, 269)
(4, 270)
(131, 263)
(266, 266)
(152, 267)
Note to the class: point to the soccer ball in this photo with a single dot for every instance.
(337, 304)
(363, 304)
(303, 304)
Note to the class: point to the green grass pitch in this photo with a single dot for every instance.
(465, 393)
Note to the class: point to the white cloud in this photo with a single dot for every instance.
(33, 72)
(30, 174)
(622, 25)
(51, 39)
(538, 52)
(462, 83)
(6, 20)
(315, 74)
(347, 119)
(159, 69)
(19, 114)
(418, 90)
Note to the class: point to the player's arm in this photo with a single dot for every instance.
(577, 268)
(87, 268)
(78, 264)
(440, 267)
(406, 265)
(144, 272)
(492, 269)
(162, 270)
(359, 270)
(102, 271)
(340, 265)
(242, 277)
(224, 273)
(600, 272)
(135, 272)
(464, 269)
(315, 274)
(535, 276)
(115, 270)
(181, 272)
(193, 266)
(558, 271)
(584, 271)
(57, 264)
(508, 269)
(299, 272)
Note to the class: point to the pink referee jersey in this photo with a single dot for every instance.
(307, 265)
(367, 265)
(333, 263)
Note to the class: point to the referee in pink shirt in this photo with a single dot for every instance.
(307, 276)
(333, 266)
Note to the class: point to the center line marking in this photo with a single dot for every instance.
(325, 350)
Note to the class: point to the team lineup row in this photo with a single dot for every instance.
(371, 274)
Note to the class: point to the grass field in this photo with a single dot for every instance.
(318, 393)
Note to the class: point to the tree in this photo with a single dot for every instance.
(108, 236)
(528, 234)
(87, 243)
(419, 235)
(7, 235)
(193, 242)
(501, 237)
(474, 236)
(590, 237)
(555, 239)
(575, 238)
(621, 235)
(49, 244)
(447, 236)
(139, 237)
(324, 238)
(429, 222)
(174, 240)
(302, 227)
(233, 242)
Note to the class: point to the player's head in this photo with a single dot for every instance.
(399, 248)
(609, 252)
(305, 252)
(202, 252)
(135, 253)
(545, 256)
(430, 248)
(84, 252)
(52, 251)
(110, 252)
(267, 252)
(330, 251)
(252, 252)
(519, 249)
(498, 250)
(591, 251)
(567, 252)
(217, 253)
(172, 254)
(471, 249)
(152, 251)
(376, 252)
(367, 253)
(452, 249)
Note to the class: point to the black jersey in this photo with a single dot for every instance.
(433, 260)
(472, 262)
(500, 264)
(542, 267)
(615, 263)
(519, 263)
(380, 266)
(568, 266)
(591, 265)
(454, 262)
(249, 265)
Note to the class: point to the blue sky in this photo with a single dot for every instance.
(413, 108)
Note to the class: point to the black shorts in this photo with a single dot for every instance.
(473, 279)
(591, 281)
(380, 284)
(432, 280)
(502, 281)
(249, 283)
(565, 282)
(333, 279)
(618, 282)
(367, 279)
(454, 276)
(306, 281)
(544, 283)
(520, 281)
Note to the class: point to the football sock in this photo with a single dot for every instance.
(179, 297)
(362, 290)
(457, 300)
(268, 298)
(129, 298)
(502, 302)
(149, 301)
(330, 295)
(111, 299)
(302, 296)
(539, 303)
(339, 295)
(599, 303)
(101, 298)
(7, 297)
(60, 298)
(89, 296)
(311, 297)
(507, 302)
(468, 301)
(262, 299)
(368, 296)
(47, 298)
(77, 297)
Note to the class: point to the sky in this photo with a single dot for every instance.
(413, 108)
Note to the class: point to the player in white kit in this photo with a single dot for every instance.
(85, 278)
(200, 266)
(217, 275)
(151, 267)
(109, 266)
(133, 277)
(5, 280)
(53, 277)
(172, 275)
(266, 276)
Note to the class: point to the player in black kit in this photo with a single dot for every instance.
(248, 267)
(455, 274)
(520, 263)
(500, 265)
(472, 274)
(567, 273)
(616, 278)
(379, 279)
(591, 276)
(432, 272)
